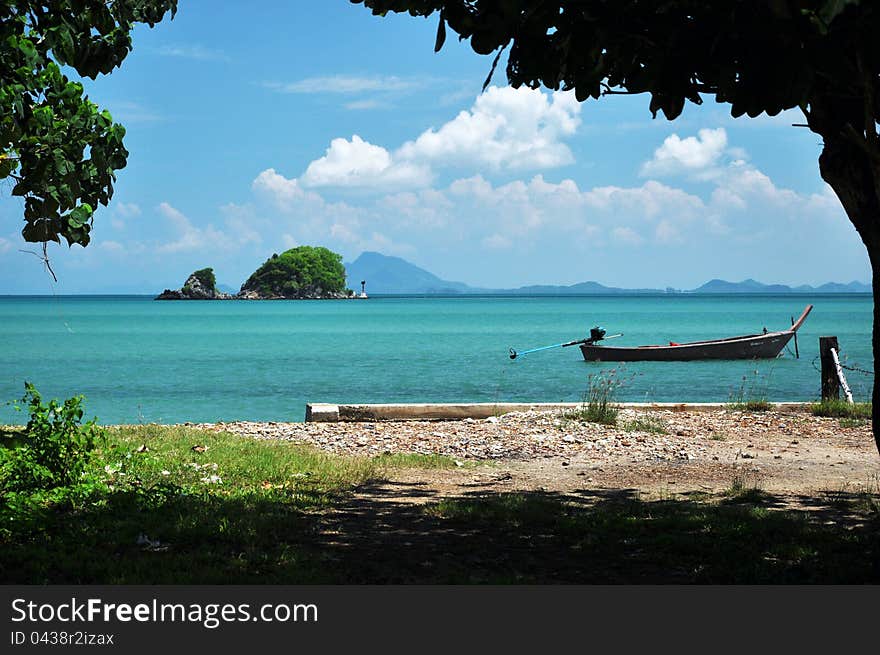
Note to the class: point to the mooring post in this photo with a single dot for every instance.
(830, 382)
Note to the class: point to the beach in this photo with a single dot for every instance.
(653, 451)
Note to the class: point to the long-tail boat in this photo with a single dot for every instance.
(749, 346)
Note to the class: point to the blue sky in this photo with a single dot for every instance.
(254, 128)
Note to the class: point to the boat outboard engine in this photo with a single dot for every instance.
(597, 334)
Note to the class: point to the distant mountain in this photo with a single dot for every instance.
(393, 275)
(752, 286)
(580, 288)
(385, 274)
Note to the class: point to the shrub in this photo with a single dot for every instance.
(55, 449)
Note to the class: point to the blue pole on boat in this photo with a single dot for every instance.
(514, 354)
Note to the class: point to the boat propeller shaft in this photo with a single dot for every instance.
(514, 354)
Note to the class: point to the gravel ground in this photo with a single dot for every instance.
(789, 451)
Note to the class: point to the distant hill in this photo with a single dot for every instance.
(393, 275)
(752, 286)
(385, 274)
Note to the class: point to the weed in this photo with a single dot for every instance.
(646, 424)
(744, 488)
(752, 394)
(841, 409)
(598, 404)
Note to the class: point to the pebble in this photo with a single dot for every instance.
(542, 434)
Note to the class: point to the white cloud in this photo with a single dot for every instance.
(360, 105)
(191, 238)
(627, 235)
(5, 245)
(497, 242)
(127, 209)
(506, 129)
(193, 51)
(693, 155)
(344, 84)
(358, 163)
(113, 247)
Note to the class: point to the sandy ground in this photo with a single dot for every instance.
(788, 453)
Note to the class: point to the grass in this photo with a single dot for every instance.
(598, 405)
(417, 461)
(177, 505)
(646, 424)
(841, 409)
(603, 414)
(744, 489)
(180, 506)
(752, 394)
(620, 538)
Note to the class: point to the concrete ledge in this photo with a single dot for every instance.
(327, 413)
(322, 413)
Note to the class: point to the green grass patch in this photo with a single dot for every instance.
(417, 461)
(176, 505)
(853, 422)
(646, 424)
(841, 409)
(604, 414)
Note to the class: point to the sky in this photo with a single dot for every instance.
(253, 128)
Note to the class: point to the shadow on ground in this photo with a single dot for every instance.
(402, 533)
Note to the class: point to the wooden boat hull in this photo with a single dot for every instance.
(755, 346)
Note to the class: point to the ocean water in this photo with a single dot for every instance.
(136, 359)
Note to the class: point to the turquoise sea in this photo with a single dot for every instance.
(136, 359)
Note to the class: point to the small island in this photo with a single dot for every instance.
(200, 285)
(301, 273)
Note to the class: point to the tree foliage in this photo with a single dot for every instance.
(758, 56)
(60, 150)
(207, 278)
(304, 271)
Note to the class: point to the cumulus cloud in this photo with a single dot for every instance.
(358, 163)
(506, 129)
(691, 155)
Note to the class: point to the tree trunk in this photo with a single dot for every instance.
(852, 171)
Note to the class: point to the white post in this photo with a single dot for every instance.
(841, 377)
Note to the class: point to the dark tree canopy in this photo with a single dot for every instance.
(59, 149)
(300, 272)
(758, 56)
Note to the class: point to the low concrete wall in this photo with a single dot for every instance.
(329, 413)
